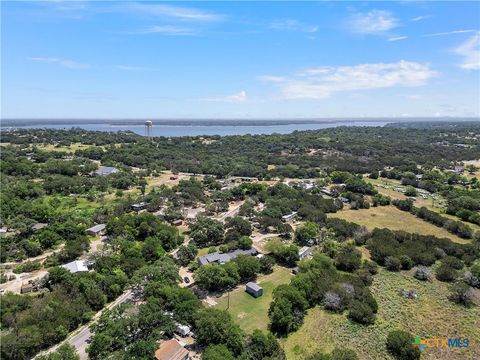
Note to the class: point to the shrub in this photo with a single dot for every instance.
(392, 263)
(400, 345)
(370, 266)
(365, 276)
(463, 294)
(407, 262)
(423, 273)
(453, 262)
(245, 243)
(361, 313)
(446, 273)
(332, 301)
(343, 354)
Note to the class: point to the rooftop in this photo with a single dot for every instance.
(76, 266)
(171, 350)
(97, 228)
(105, 170)
(253, 286)
(224, 257)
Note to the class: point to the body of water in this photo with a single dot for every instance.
(224, 129)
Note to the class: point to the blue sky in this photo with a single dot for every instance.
(127, 59)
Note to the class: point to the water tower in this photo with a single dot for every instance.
(148, 129)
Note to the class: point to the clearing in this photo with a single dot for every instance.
(392, 218)
(322, 330)
(249, 312)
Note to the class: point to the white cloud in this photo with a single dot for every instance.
(419, 18)
(235, 98)
(454, 32)
(373, 22)
(63, 62)
(470, 51)
(293, 25)
(321, 82)
(130, 68)
(177, 12)
(168, 30)
(397, 38)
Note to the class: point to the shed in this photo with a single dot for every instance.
(38, 226)
(26, 288)
(96, 230)
(253, 289)
(105, 170)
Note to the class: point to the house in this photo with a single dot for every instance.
(26, 288)
(96, 230)
(253, 289)
(419, 176)
(104, 171)
(76, 266)
(171, 350)
(177, 222)
(326, 191)
(139, 206)
(289, 217)
(220, 258)
(38, 226)
(304, 252)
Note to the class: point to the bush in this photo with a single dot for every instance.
(392, 263)
(400, 345)
(332, 301)
(407, 262)
(446, 273)
(361, 313)
(423, 273)
(370, 266)
(343, 354)
(245, 243)
(348, 258)
(463, 294)
(453, 262)
(365, 276)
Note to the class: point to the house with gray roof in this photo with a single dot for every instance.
(105, 170)
(222, 258)
(76, 266)
(96, 230)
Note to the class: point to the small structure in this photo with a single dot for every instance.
(26, 288)
(3, 230)
(253, 289)
(105, 171)
(96, 230)
(38, 226)
(139, 206)
(76, 266)
(304, 252)
(171, 350)
(291, 216)
(177, 222)
(182, 330)
(459, 169)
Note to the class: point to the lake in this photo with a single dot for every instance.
(203, 128)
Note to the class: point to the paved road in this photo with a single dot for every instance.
(79, 338)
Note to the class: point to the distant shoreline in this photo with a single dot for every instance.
(214, 122)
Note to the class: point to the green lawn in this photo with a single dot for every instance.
(430, 315)
(249, 312)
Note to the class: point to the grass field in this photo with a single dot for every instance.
(394, 219)
(249, 312)
(430, 315)
(69, 149)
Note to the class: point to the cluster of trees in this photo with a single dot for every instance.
(453, 226)
(243, 268)
(408, 248)
(319, 283)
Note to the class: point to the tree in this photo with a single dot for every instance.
(248, 266)
(423, 273)
(217, 352)
(245, 242)
(216, 277)
(446, 273)
(266, 264)
(348, 258)
(185, 254)
(206, 231)
(307, 231)
(64, 352)
(410, 191)
(361, 312)
(214, 327)
(400, 345)
(260, 345)
(392, 263)
(461, 293)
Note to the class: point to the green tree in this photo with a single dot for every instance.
(400, 345)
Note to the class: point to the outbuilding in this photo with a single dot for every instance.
(253, 289)
(76, 266)
(96, 230)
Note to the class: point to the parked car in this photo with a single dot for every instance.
(186, 279)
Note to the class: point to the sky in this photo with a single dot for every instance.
(163, 60)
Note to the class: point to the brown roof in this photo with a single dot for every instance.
(171, 350)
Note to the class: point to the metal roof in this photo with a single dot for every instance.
(253, 286)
